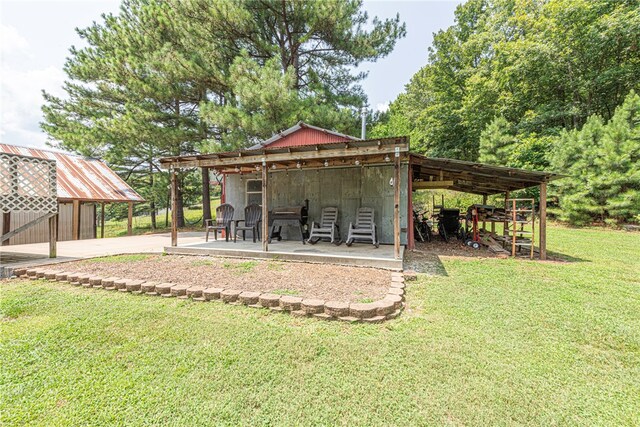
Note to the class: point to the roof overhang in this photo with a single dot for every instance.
(334, 154)
(427, 172)
(471, 177)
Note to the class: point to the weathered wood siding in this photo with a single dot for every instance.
(40, 233)
(346, 188)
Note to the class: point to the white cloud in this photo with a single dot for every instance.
(11, 41)
(382, 107)
(21, 99)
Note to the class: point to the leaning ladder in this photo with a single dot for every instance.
(521, 214)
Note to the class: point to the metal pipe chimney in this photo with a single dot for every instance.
(363, 115)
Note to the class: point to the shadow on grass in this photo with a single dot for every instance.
(424, 263)
(557, 256)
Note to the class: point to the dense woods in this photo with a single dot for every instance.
(538, 85)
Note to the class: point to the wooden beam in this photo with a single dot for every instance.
(543, 221)
(484, 202)
(130, 220)
(174, 208)
(431, 185)
(505, 225)
(265, 208)
(102, 220)
(75, 220)
(411, 243)
(95, 220)
(396, 206)
(53, 236)
(6, 225)
(283, 157)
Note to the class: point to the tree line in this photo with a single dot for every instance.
(540, 85)
(167, 78)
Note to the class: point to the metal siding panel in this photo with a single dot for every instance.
(348, 189)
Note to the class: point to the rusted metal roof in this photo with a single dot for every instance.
(303, 134)
(82, 178)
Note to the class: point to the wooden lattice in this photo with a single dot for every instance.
(27, 184)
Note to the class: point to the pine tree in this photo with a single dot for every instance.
(497, 142)
(603, 162)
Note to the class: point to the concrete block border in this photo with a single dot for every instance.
(387, 308)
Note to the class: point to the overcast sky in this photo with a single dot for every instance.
(36, 35)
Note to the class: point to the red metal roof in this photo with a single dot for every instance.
(306, 136)
(303, 134)
(82, 178)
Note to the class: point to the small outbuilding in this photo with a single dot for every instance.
(314, 167)
(84, 186)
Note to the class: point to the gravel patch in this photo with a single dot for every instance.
(321, 281)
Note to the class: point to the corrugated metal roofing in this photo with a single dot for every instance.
(303, 134)
(82, 178)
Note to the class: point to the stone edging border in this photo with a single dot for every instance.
(387, 308)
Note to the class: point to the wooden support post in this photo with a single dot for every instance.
(543, 221)
(174, 209)
(484, 202)
(265, 207)
(53, 236)
(6, 226)
(75, 220)
(130, 220)
(514, 218)
(411, 242)
(396, 205)
(505, 230)
(102, 220)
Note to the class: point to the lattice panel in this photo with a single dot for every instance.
(27, 184)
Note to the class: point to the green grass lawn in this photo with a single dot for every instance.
(142, 223)
(492, 342)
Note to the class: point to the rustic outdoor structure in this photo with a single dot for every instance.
(28, 184)
(334, 170)
(477, 178)
(345, 174)
(83, 185)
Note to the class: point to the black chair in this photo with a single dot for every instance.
(224, 218)
(252, 220)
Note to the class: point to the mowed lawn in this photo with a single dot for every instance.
(494, 342)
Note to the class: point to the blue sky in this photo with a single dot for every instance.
(36, 35)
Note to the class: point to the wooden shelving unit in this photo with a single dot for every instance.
(520, 222)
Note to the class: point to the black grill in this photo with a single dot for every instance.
(282, 215)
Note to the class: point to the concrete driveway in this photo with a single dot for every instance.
(37, 253)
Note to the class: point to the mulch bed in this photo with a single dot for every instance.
(328, 282)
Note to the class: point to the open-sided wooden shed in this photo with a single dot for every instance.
(330, 169)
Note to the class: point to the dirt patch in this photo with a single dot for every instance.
(425, 258)
(328, 282)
